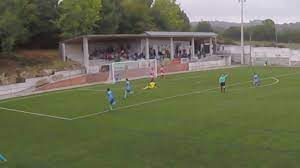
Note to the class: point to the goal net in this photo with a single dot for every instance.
(133, 70)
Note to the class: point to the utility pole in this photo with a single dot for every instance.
(276, 36)
(242, 32)
(251, 63)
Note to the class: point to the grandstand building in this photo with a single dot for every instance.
(95, 50)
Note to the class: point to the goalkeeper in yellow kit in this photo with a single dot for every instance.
(151, 85)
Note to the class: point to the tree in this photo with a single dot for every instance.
(135, 17)
(169, 16)
(269, 30)
(44, 33)
(14, 22)
(78, 17)
(186, 22)
(110, 15)
(233, 33)
(264, 32)
(203, 26)
(289, 36)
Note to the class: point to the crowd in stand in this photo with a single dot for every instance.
(122, 54)
(112, 54)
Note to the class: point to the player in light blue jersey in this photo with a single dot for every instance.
(222, 82)
(256, 80)
(2, 158)
(111, 99)
(128, 89)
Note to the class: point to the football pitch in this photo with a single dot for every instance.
(185, 123)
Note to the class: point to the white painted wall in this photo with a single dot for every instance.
(196, 66)
(295, 55)
(275, 56)
(234, 49)
(271, 52)
(74, 52)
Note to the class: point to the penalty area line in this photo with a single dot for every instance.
(267, 85)
(142, 103)
(35, 114)
(170, 97)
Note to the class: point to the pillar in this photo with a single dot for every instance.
(211, 46)
(63, 51)
(86, 57)
(216, 45)
(172, 48)
(193, 47)
(142, 46)
(147, 49)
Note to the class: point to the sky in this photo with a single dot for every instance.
(281, 11)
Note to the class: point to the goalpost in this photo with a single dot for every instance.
(133, 70)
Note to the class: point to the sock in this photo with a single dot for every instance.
(125, 95)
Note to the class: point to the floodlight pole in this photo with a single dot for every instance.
(276, 36)
(242, 32)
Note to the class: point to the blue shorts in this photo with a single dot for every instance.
(128, 90)
(112, 101)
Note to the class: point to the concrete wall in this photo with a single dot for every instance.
(262, 51)
(77, 81)
(32, 83)
(275, 56)
(271, 52)
(234, 49)
(105, 77)
(19, 87)
(295, 55)
(74, 52)
(196, 66)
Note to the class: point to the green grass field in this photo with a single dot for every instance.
(185, 123)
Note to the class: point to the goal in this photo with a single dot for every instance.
(133, 70)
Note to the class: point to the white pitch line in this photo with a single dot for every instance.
(139, 104)
(143, 103)
(167, 98)
(36, 114)
(274, 83)
(69, 90)
(262, 86)
(95, 90)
